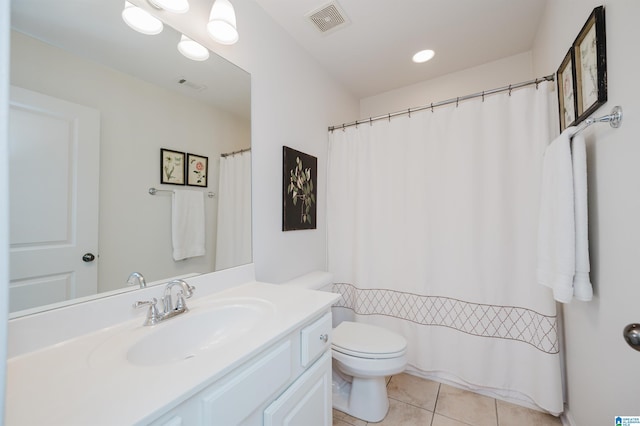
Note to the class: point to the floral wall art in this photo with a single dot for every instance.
(171, 167)
(197, 167)
(299, 190)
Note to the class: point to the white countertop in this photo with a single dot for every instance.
(87, 380)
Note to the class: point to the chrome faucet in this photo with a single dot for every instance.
(186, 292)
(154, 316)
(136, 278)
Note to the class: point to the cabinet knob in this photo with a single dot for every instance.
(324, 337)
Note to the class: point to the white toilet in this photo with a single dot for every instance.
(363, 355)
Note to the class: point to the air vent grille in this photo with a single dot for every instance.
(195, 86)
(329, 17)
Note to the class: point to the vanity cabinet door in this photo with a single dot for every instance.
(307, 401)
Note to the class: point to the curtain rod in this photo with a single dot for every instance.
(433, 105)
(235, 152)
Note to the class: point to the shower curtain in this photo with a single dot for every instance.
(233, 240)
(432, 221)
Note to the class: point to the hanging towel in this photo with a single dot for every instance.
(563, 251)
(582, 289)
(187, 224)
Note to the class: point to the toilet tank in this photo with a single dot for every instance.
(316, 280)
(323, 281)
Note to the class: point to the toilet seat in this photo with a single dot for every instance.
(367, 341)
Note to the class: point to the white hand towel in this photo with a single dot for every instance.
(187, 224)
(582, 289)
(563, 248)
(556, 229)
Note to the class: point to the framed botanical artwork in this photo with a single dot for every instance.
(565, 79)
(171, 167)
(197, 170)
(591, 65)
(299, 178)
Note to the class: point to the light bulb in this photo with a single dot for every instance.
(141, 20)
(222, 22)
(423, 56)
(192, 50)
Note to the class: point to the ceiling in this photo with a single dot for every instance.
(372, 53)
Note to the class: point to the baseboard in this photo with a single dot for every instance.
(567, 418)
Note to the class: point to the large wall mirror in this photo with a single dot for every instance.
(81, 73)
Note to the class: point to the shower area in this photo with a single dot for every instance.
(432, 220)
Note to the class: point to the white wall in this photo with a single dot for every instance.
(137, 119)
(500, 73)
(293, 103)
(602, 371)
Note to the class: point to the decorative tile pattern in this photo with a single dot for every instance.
(495, 321)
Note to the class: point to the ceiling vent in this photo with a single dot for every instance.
(328, 18)
(191, 85)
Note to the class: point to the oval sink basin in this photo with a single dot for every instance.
(187, 335)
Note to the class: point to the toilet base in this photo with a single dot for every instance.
(365, 399)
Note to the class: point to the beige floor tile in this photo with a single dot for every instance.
(340, 419)
(402, 414)
(511, 414)
(466, 406)
(414, 390)
(439, 420)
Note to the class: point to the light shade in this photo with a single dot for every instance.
(423, 56)
(141, 20)
(175, 6)
(222, 22)
(192, 50)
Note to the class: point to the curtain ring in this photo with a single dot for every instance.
(389, 117)
(457, 100)
(431, 106)
(509, 90)
(343, 127)
(483, 96)
(356, 124)
(537, 82)
(409, 112)
(370, 121)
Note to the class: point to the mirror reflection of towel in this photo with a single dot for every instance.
(187, 224)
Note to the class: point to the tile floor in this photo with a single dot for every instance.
(414, 401)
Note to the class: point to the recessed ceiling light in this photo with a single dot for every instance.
(423, 56)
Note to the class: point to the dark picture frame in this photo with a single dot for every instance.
(566, 82)
(197, 170)
(172, 167)
(299, 190)
(590, 52)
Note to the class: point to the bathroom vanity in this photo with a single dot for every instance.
(250, 354)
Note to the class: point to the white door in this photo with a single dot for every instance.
(53, 199)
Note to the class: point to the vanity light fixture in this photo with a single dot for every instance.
(175, 6)
(192, 50)
(423, 56)
(222, 22)
(141, 20)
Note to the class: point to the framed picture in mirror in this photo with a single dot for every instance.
(591, 65)
(171, 167)
(197, 170)
(565, 78)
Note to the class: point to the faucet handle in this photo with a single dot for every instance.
(153, 316)
(180, 303)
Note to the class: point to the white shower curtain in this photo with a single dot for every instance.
(233, 245)
(432, 223)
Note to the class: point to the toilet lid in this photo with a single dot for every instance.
(367, 341)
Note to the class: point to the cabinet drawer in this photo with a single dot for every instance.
(315, 339)
(233, 401)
